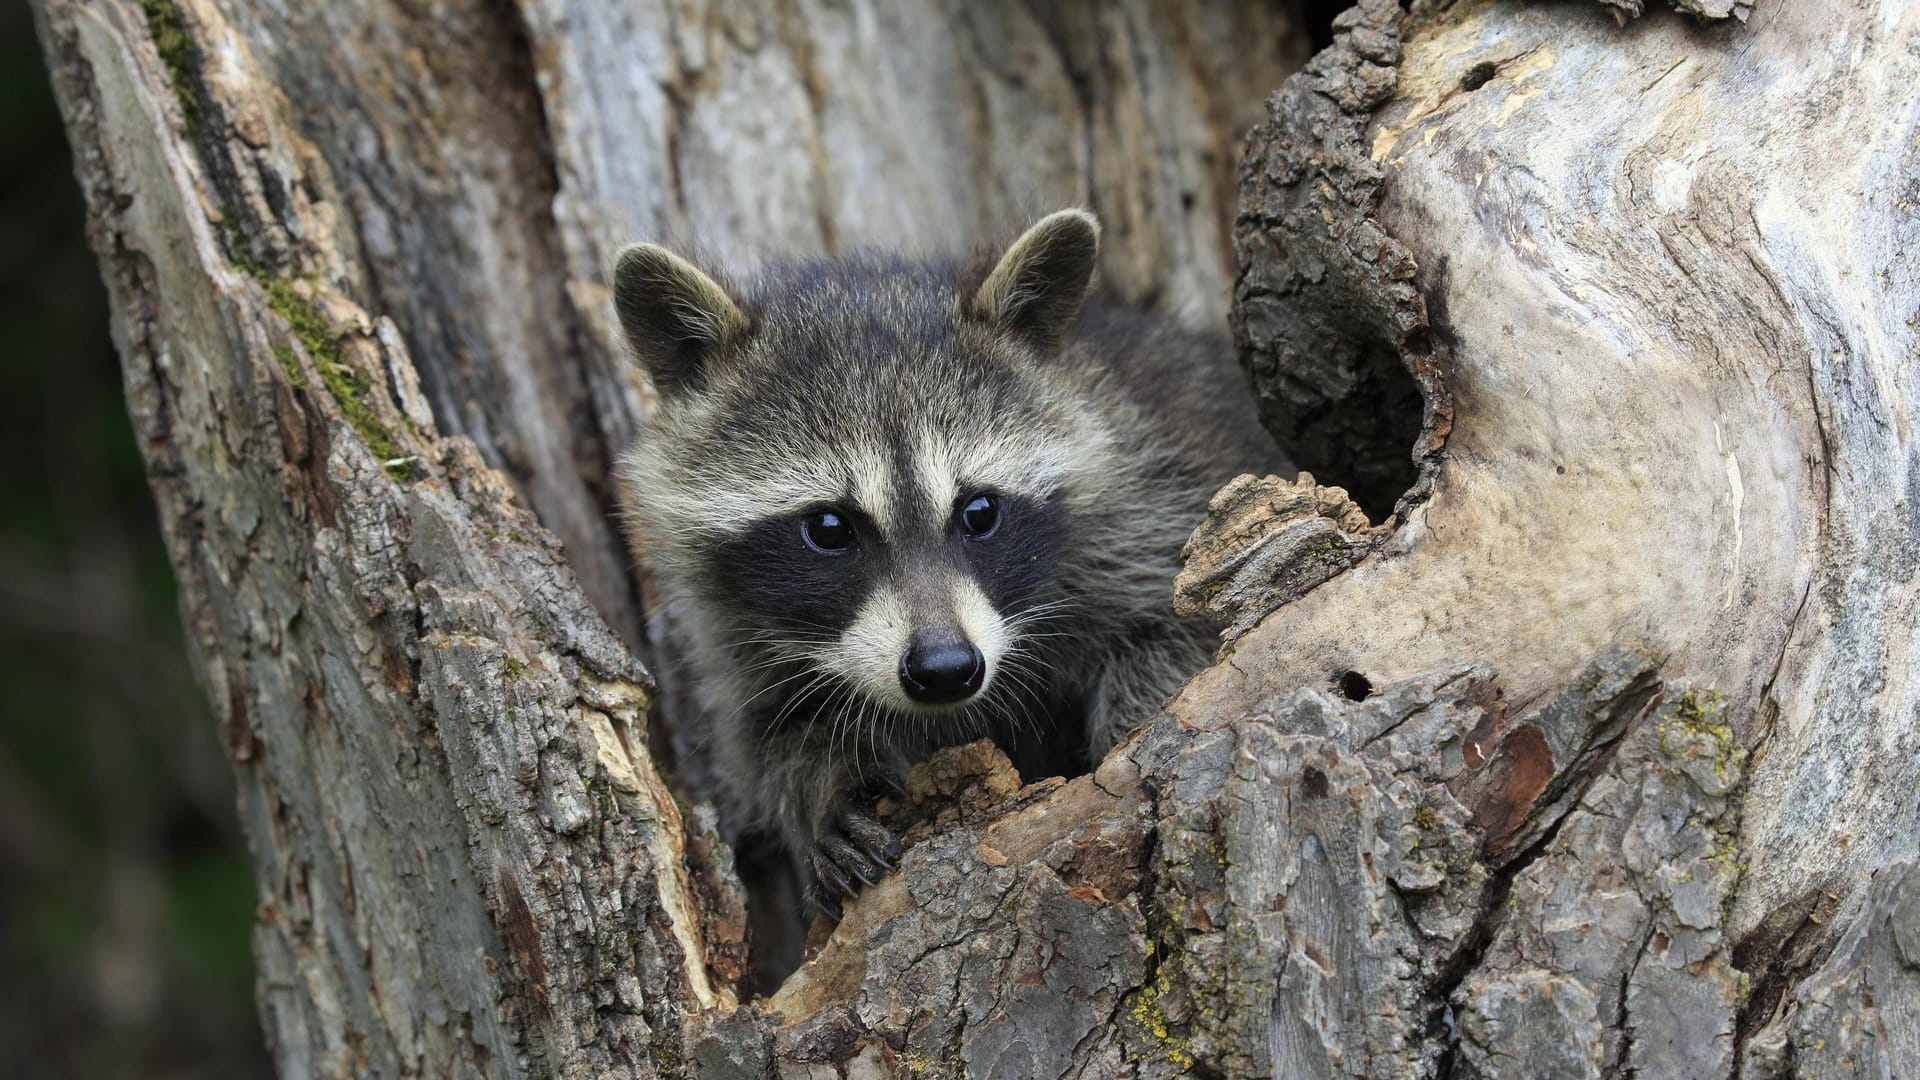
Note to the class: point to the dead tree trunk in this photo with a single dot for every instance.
(1596, 757)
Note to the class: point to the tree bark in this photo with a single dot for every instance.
(1593, 757)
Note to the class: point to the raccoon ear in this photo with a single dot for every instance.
(1036, 289)
(677, 319)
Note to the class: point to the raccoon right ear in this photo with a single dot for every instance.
(1037, 288)
(677, 319)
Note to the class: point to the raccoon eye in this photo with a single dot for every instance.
(980, 516)
(827, 532)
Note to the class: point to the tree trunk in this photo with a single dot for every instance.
(1595, 756)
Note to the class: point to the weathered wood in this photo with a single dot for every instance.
(1670, 302)
(1856, 1016)
(468, 864)
(1429, 814)
(1288, 887)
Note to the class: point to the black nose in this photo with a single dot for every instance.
(941, 672)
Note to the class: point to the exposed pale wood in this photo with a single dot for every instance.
(1664, 277)
(1683, 373)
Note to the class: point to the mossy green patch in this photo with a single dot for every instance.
(665, 1053)
(178, 53)
(1703, 713)
(348, 386)
(1150, 1019)
(922, 1066)
(290, 363)
(601, 794)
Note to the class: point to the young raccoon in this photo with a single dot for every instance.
(897, 505)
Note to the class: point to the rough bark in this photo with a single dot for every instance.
(1663, 280)
(1593, 757)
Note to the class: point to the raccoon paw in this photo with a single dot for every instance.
(851, 850)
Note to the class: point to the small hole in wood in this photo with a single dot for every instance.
(1355, 686)
(1318, 16)
(1479, 75)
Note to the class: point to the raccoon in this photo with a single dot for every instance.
(896, 504)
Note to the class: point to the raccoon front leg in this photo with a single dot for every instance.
(850, 850)
(826, 817)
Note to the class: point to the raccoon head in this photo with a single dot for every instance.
(864, 472)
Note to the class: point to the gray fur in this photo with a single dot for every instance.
(896, 388)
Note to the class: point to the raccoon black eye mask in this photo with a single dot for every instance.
(896, 504)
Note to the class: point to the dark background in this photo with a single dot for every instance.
(125, 894)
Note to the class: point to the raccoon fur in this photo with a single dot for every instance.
(897, 504)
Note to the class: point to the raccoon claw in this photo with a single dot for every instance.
(851, 851)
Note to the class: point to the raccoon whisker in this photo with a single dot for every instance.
(837, 720)
(790, 622)
(800, 696)
(871, 727)
(846, 732)
(774, 724)
(807, 697)
(1055, 610)
(1050, 609)
(1025, 620)
(774, 633)
(1045, 627)
(1020, 658)
(1016, 721)
(776, 651)
(1031, 674)
(1043, 635)
(806, 737)
(1027, 682)
(779, 657)
(776, 637)
(1022, 685)
(775, 685)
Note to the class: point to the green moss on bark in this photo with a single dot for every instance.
(178, 53)
(349, 388)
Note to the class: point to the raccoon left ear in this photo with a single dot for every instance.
(677, 318)
(1037, 288)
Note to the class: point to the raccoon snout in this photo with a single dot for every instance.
(943, 671)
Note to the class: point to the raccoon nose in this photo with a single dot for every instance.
(941, 672)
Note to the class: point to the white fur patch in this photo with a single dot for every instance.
(1034, 462)
(699, 507)
(933, 468)
(982, 625)
(868, 651)
(870, 478)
